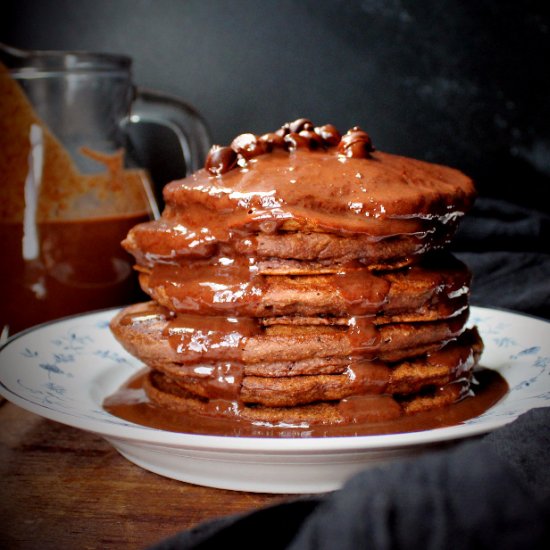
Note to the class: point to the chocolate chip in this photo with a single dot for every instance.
(314, 141)
(283, 130)
(220, 160)
(248, 146)
(329, 134)
(357, 150)
(295, 141)
(300, 124)
(271, 140)
(355, 143)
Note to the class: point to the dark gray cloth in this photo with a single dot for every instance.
(492, 492)
(507, 247)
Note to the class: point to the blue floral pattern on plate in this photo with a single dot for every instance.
(56, 366)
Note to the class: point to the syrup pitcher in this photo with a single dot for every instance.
(69, 187)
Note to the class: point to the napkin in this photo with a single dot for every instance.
(507, 248)
(490, 492)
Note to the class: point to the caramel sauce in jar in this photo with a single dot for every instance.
(61, 227)
(70, 274)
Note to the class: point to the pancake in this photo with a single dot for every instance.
(455, 360)
(313, 202)
(152, 334)
(434, 289)
(313, 194)
(170, 241)
(165, 393)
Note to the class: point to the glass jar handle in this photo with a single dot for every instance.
(186, 123)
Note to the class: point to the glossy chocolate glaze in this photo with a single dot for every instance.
(238, 287)
(383, 195)
(223, 337)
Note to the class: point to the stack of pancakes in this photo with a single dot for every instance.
(301, 277)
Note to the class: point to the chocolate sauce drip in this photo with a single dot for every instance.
(364, 338)
(373, 408)
(362, 291)
(150, 312)
(224, 285)
(370, 377)
(223, 338)
(220, 380)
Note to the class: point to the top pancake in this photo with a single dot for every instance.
(309, 206)
(323, 191)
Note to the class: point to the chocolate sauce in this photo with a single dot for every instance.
(370, 377)
(60, 226)
(370, 409)
(222, 338)
(457, 358)
(131, 403)
(226, 284)
(362, 292)
(363, 335)
(167, 241)
(221, 381)
(381, 196)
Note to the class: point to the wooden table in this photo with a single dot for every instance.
(64, 488)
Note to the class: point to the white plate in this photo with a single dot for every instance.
(63, 370)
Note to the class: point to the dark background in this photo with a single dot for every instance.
(463, 83)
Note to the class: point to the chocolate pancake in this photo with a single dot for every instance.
(307, 203)
(164, 392)
(152, 334)
(384, 210)
(435, 289)
(170, 241)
